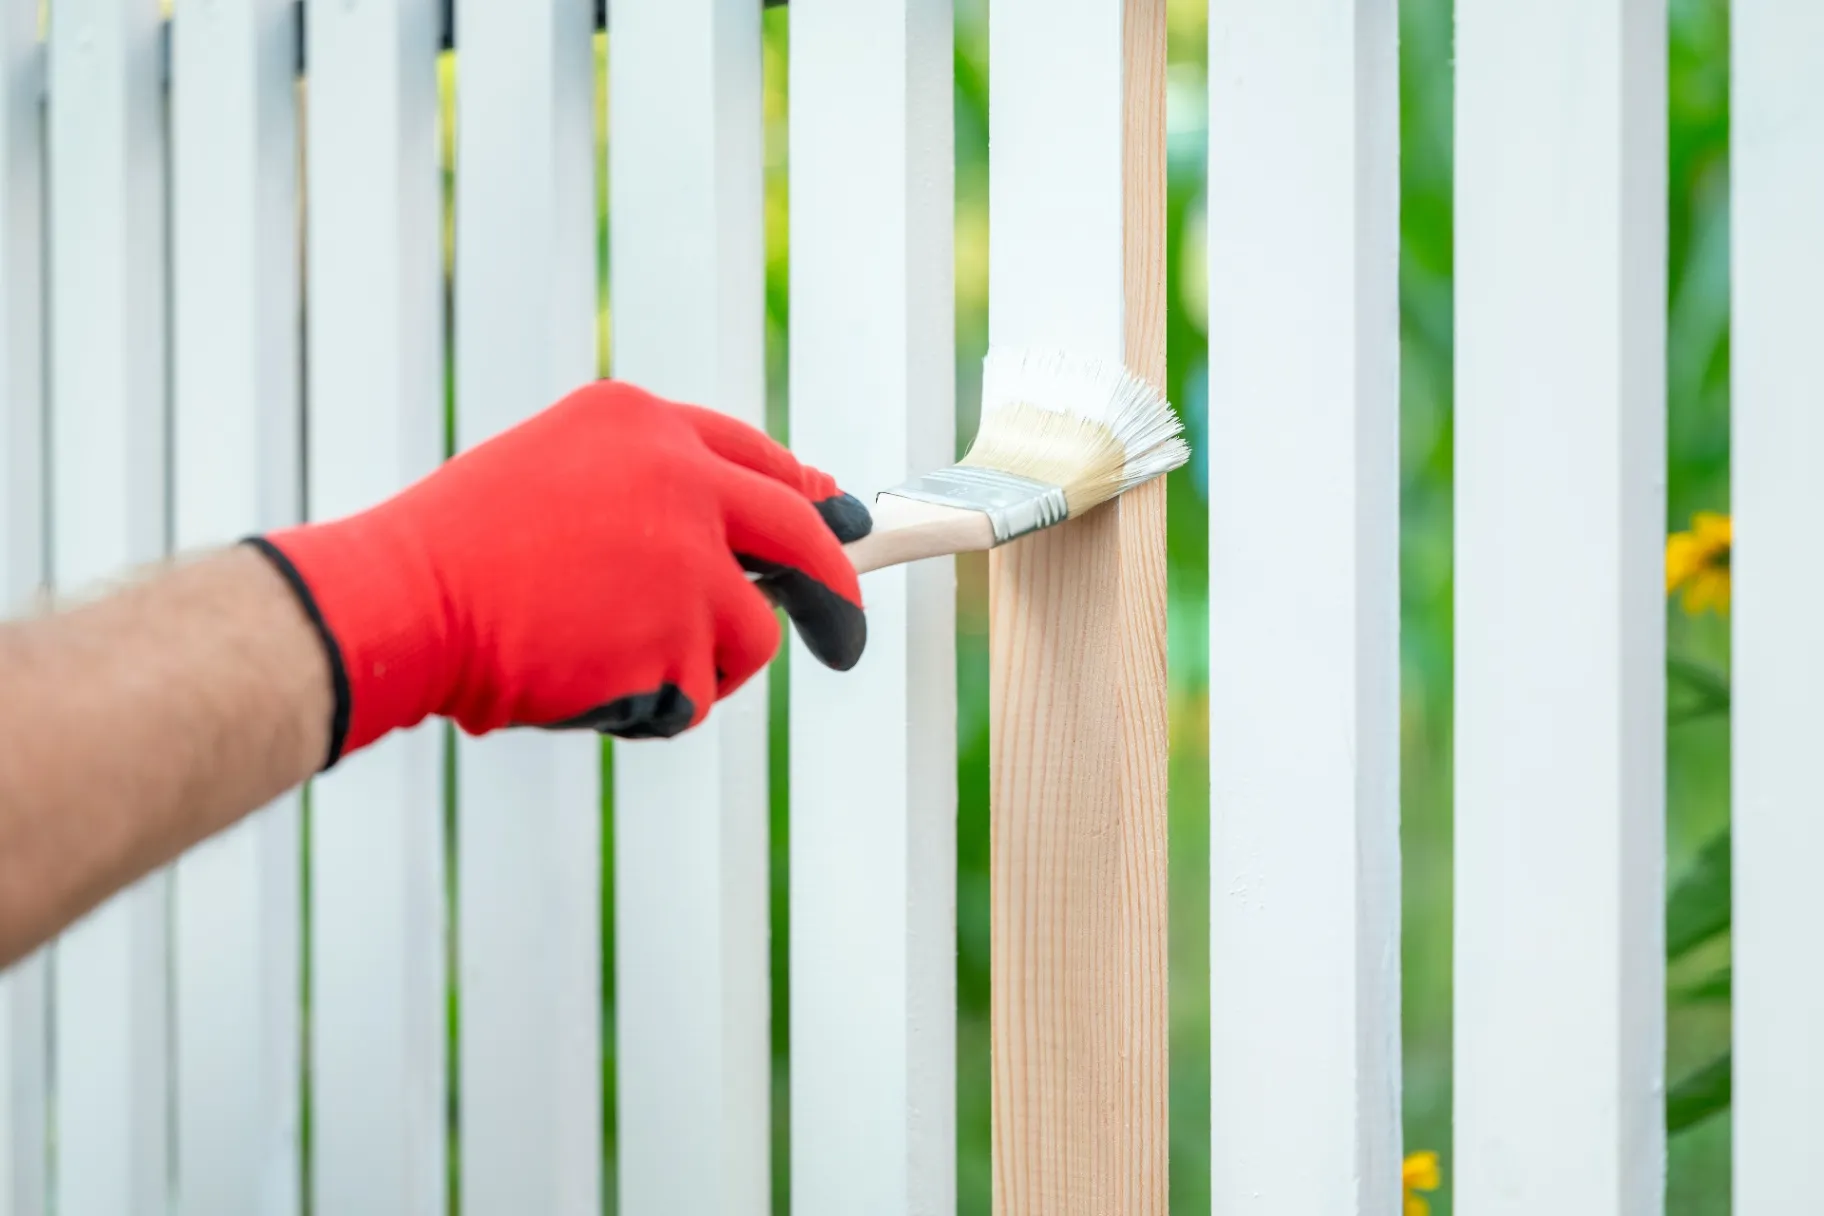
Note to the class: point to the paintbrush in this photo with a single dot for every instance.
(1060, 435)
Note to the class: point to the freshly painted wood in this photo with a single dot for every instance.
(237, 469)
(907, 530)
(687, 289)
(1303, 223)
(1077, 684)
(108, 504)
(377, 1003)
(24, 1043)
(873, 756)
(529, 819)
(1560, 697)
(1777, 179)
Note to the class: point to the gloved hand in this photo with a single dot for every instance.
(585, 569)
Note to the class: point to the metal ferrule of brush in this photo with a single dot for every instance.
(1014, 505)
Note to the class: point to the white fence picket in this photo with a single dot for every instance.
(687, 290)
(873, 765)
(109, 517)
(23, 1042)
(237, 469)
(529, 827)
(1304, 606)
(22, 449)
(1777, 178)
(377, 1004)
(1560, 698)
(23, 1047)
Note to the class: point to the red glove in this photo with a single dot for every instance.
(583, 569)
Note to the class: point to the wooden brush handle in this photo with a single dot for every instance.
(907, 530)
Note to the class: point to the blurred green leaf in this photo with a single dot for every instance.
(1706, 691)
(1702, 1094)
(1685, 714)
(1709, 990)
(1698, 677)
(1698, 908)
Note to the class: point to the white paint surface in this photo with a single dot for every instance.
(687, 290)
(529, 827)
(22, 385)
(1304, 607)
(1778, 414)
(23, 1041)
(1054, 184)
(24, 1044)
(238, 466)
(377, 1035)
(108, 512)
(873, 873)
(1560, 626)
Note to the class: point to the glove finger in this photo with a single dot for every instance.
(750, 448)
(775, 533)
(747, 632)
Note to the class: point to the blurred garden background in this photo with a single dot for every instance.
(1698, 365)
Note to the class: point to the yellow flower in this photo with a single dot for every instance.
(1420, 1173)
(1697, 563)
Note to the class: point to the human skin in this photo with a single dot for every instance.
(139, 724)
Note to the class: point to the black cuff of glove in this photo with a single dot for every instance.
(332, 652)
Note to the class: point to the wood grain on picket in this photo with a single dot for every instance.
(1078, 705)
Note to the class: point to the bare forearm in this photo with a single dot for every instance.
(135, 726)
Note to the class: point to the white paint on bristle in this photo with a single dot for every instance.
(1097, 391)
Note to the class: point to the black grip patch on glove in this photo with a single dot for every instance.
(834, 630)
(648, 715)
(847, 517)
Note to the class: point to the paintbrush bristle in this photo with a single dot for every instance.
(1088, 425)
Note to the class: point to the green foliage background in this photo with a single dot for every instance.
(1698, 361)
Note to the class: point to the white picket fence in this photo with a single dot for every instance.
(156, 1049)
